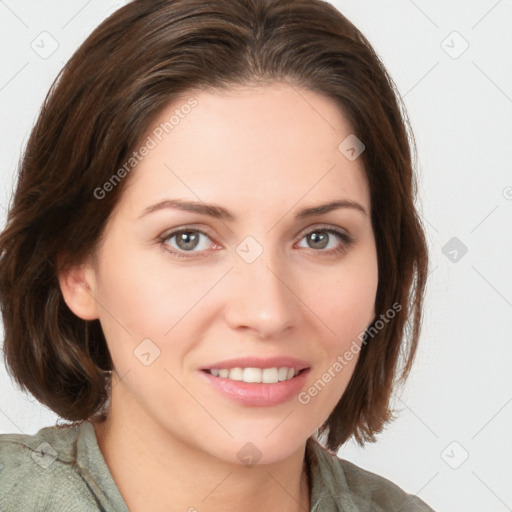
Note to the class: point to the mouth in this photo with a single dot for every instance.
(251, 386)
(254, 375)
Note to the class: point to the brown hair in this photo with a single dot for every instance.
(133, 65)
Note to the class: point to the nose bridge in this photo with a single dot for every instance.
(260, 298)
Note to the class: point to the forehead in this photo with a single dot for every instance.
(269, 145)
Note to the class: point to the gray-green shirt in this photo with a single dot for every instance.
(61, 469)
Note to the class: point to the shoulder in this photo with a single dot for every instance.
(370, 487)
(346, 486)
(38, 472)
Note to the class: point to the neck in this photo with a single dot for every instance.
(159, 472)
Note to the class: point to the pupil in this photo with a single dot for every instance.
(322, 238)
(187, 240)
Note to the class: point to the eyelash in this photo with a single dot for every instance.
(346, 241)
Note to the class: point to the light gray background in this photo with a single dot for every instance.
(457, 403)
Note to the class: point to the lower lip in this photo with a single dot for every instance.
(257, 394)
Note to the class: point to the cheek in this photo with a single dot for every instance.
(149, 297)
(346, 301)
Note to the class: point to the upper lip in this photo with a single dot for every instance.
(258, 362)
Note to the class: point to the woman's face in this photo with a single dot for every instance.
(260, 282)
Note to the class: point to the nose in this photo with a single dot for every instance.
(261, 298)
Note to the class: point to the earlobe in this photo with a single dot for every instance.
(78, 288)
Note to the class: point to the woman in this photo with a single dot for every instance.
(210, 261)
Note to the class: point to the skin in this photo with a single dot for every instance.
(263, 153)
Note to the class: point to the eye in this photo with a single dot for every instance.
(186, 240)
(333, 240)
(189, 242)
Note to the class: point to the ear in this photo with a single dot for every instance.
(78, 287)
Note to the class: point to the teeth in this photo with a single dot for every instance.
(235, 374)
(270, 375)
(265, 375)
(283, 373)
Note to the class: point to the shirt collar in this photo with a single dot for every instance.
(329, 489)
(95, 471)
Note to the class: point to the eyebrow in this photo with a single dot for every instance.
(218, 212)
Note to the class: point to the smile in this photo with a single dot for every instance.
(255, 375)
